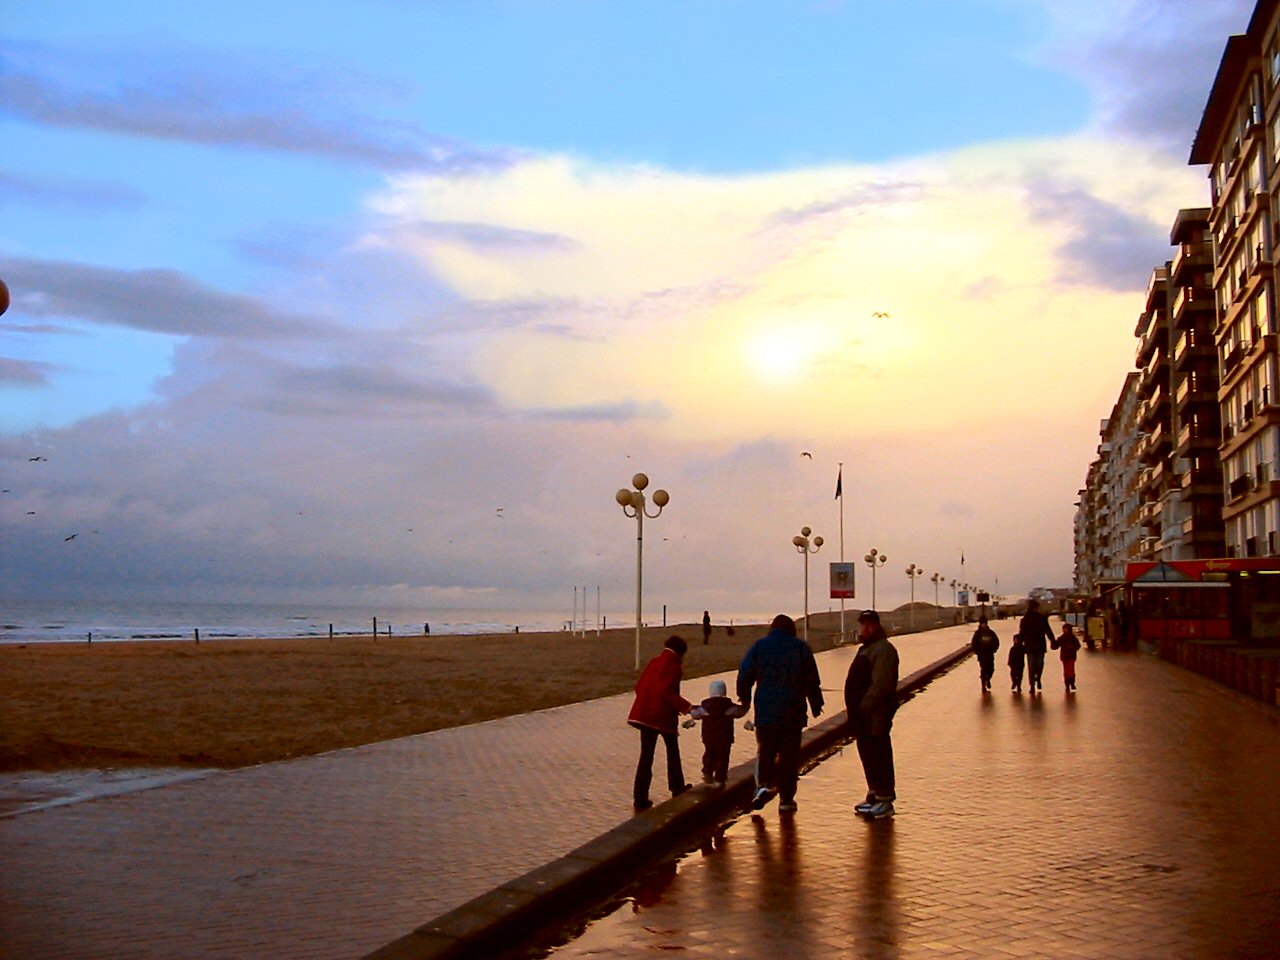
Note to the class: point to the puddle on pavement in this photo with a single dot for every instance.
(31, 791)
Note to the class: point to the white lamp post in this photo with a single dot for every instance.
(632, 503)
(874, 559)
(936, 579)
(802, 545)
(912, 572)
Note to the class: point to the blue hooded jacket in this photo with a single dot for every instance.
(782, 668)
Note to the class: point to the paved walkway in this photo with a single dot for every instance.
(1137, 818)
(333, 856)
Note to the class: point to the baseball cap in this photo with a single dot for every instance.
(869, 615)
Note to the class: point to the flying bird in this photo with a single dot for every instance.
(806, 453)
(880, 314)
(36, 459)
(70, 538)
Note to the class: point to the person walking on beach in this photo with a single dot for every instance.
(1017, 662)
(1036, 635)
(781, 668)
(871, 699)
(1068, 647)
(706, 627)
(717, 714)
(985, 643)
(656, 713)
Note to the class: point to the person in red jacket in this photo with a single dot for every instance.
(656, 712)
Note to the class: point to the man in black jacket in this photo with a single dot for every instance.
(1036, 635)
(871, 697)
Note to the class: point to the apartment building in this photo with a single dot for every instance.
(1239, 139)
(1196, 424)
(1107, 532)
(1158, 498)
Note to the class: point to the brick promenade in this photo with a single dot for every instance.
(333, 856)
(1139, 818)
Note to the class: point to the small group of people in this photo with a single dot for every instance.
(779, 674)
(1027, 651)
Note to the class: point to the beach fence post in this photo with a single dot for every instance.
(388, 629)
(375, 629)
(331, 631)
(664, 615)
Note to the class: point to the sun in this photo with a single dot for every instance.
(779, 352)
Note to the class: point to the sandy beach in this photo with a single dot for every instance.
(232, 703)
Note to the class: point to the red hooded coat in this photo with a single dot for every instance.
(658, 702)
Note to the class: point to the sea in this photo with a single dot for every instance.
(31, 621)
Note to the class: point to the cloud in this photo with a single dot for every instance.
(23, 373)
(624, 412)
(61, 193)
(1150, 65)
(487, 237)
(1105, 245)
(194, 96)
(362, 391)
(159, 301)
(853, 201)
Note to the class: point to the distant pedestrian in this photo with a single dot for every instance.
(781, 668)
(706, 627)
(656, 713)
(717, 713)
(871, 698)
(1036, 635)
(985, 643)
(1068, 646)
(1017, 661)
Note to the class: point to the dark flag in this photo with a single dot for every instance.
(839, 483)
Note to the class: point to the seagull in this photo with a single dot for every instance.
(70, 538)
(36, 459)
(806, 453)
(880, 314)
(31, 513)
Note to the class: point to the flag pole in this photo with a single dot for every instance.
(840, 497)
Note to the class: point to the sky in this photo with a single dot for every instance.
(380, 302)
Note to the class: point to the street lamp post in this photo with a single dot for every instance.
(912, 572)
(874, 559)
(632, 503)
(803, 545)
(936, 579)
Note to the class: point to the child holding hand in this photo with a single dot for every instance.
(716, 714)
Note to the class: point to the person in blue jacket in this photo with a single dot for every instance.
(781, 668)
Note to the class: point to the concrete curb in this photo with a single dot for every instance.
(555, 892)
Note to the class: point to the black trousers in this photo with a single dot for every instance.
(644, 768)
(778, 759)
(986, 665)
(876, 753)
(715, 761)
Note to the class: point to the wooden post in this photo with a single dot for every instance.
(388, 629)
(375, 628)
(331, 631)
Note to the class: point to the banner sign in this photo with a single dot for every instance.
(963, 598)
(842, 581)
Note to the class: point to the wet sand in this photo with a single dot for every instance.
(231, 703)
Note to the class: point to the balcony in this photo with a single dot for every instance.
(1193, 346)
(1261, 260)
(1238, 487)
(1191, 303)
(1188, 257)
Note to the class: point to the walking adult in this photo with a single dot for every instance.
(871, 699)
(781, 668)
(656, 713)
(706, 627)
(984, 644)
(1036, 636)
